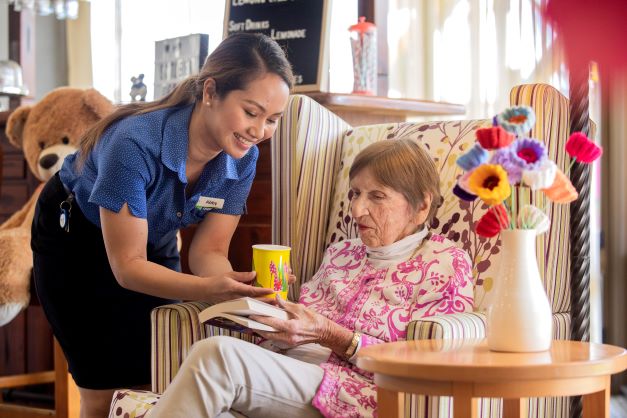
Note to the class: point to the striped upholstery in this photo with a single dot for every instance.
(459, 325)
(311, 153)
(175, 328)
(552, 127)
(305, 155)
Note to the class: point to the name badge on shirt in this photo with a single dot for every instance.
(208, 203)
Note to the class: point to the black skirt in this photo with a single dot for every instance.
(103, 329)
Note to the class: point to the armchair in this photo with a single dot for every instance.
(311, 155)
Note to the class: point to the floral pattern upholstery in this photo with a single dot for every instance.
(128, 403)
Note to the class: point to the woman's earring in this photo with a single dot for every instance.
(209, 104)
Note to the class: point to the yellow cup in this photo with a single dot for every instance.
(271, 263)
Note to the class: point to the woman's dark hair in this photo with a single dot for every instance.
(238, 60)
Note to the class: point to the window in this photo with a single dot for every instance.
(134, 26)
(470, 51)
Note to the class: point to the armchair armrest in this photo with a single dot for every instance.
(175, 328)
(471, 325)
(459, 325)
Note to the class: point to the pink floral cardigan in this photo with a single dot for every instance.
(379, 298)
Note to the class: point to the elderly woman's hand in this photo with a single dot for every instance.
(305, 326)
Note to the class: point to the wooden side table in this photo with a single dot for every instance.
(467, 370)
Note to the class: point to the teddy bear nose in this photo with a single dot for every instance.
(48, 161)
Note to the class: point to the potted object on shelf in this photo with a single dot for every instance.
(363, 36)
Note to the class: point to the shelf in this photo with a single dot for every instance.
(385, 105)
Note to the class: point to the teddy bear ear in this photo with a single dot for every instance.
(15, 125)
(97, 103)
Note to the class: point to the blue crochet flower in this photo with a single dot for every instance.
(517, 119)
(473, 158)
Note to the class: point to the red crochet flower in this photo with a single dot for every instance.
(494, 137)
(582, 149)
(492, 222)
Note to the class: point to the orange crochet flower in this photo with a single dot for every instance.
(562, 190)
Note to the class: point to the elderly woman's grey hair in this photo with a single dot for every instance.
(404, 166)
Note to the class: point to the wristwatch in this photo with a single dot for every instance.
(352, 348)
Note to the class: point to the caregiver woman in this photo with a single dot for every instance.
(104, 233)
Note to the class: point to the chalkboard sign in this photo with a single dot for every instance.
(299, 26)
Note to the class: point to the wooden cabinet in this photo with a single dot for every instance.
(18, 183)
(25, 342)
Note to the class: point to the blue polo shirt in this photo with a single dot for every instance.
(140, 160)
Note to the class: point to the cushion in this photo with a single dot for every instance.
(128, 403)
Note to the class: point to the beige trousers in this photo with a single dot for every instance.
(224, 376)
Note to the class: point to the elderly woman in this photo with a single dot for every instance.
(366, 291)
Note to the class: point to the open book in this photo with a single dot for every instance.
(233, 314)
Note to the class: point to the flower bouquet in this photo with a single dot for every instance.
(504, 158)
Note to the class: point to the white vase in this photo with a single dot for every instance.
(519, 318)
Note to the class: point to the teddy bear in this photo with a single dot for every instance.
(46, 132)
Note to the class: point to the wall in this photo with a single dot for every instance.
(615, 213)
(78, 45)
(4, 29)
(43, 54)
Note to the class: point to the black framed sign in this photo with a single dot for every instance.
(299, 26)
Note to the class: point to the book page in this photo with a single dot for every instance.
(238, 323)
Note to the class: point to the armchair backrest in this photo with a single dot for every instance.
(314, 149)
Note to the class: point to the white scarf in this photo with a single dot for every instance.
(398, 250)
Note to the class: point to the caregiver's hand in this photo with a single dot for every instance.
(291, 278)
(233, 285)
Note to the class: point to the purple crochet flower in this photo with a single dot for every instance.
(526, 154)
(530, 152)
(473, 158)
(510, 162)
(463, 194)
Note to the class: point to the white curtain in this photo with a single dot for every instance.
(78, 42)
(470, 51)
